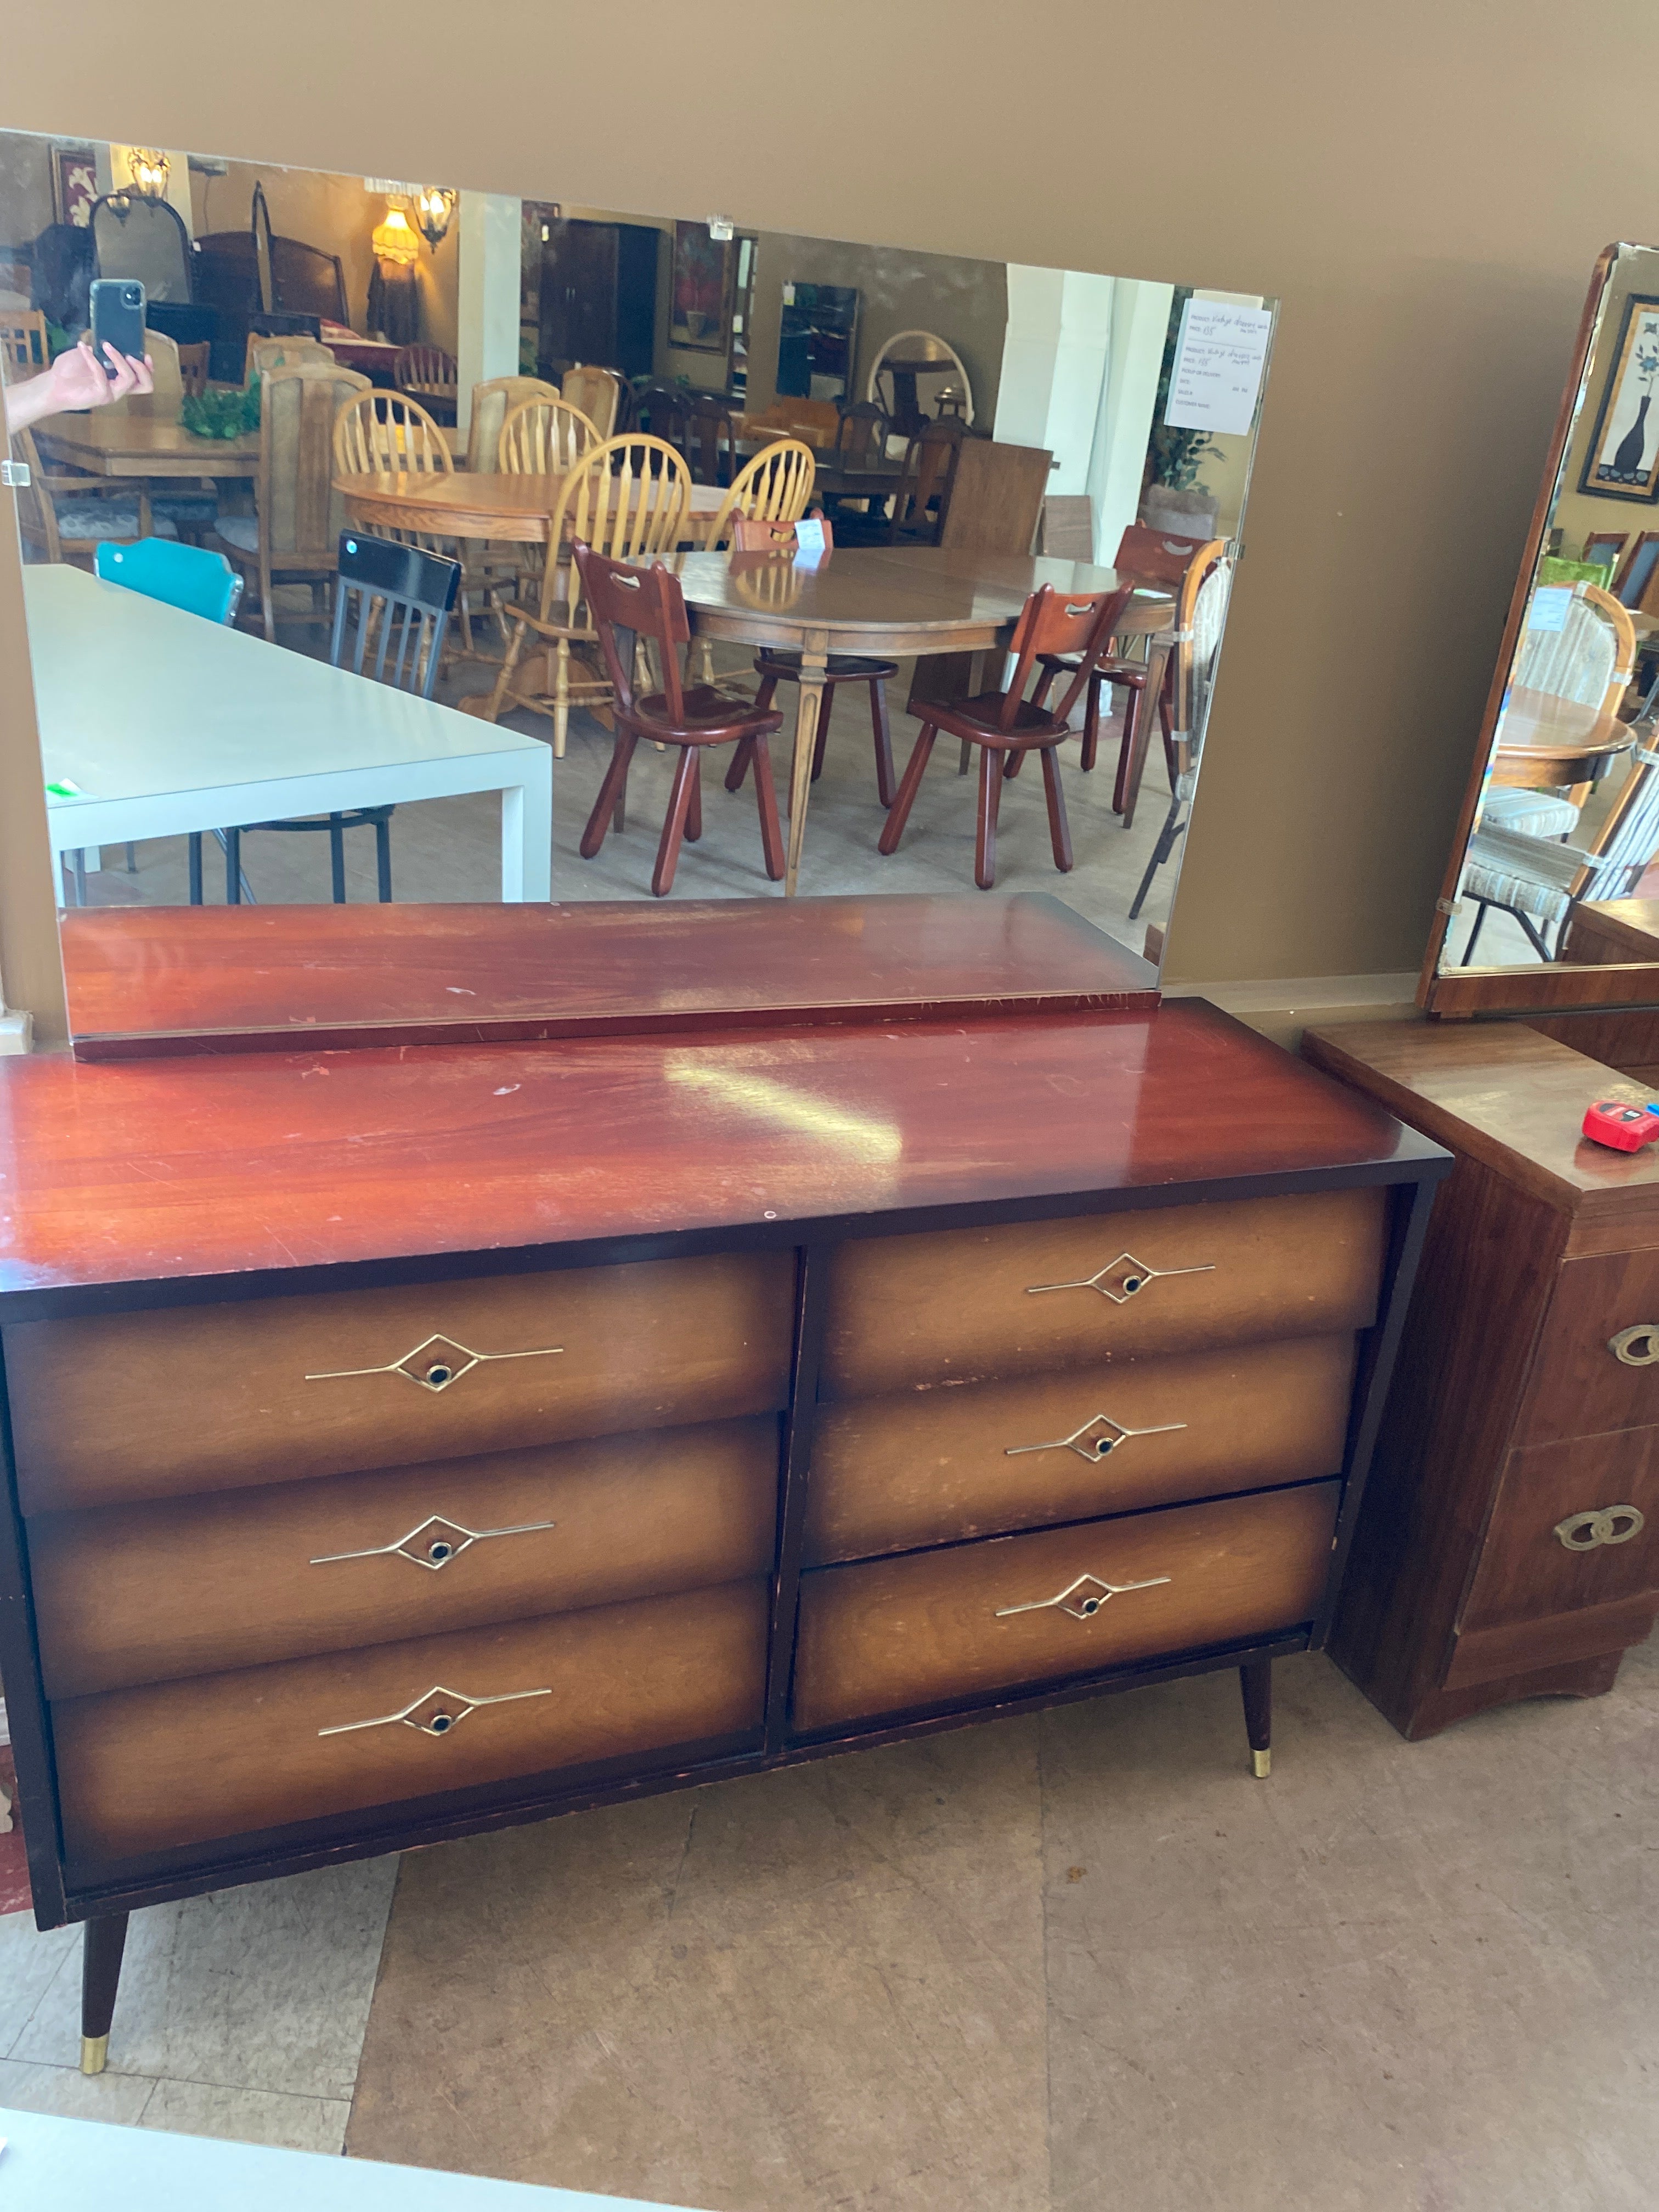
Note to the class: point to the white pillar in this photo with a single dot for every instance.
(1054, 357)
(487, 344)
(1140, 321)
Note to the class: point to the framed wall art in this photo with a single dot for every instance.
(1622, 460)
(700, 301)
(74, 184)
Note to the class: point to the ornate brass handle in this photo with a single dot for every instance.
(434, 1365)
(1638, 1347)
(1099, 1435)
(436, 1712)
(1120, 1279)
(1082, 1599)
(1602, 1525)
(433, 1543)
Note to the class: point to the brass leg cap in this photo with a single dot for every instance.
(1261, 1764)
(95, 2050)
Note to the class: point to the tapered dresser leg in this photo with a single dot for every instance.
(102, 1943)
(1255, 1679)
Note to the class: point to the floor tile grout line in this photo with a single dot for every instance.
(52, 1981)
(1042, 1896)
(369, 2010)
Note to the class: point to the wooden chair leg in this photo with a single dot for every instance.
(516, 635)
(673, 828)
(884, 741)
(826, 708)
(561, 697)
(1171, 766)
(1133, 765)
(611, 791)
(694, 812)
(1060, 830)
(985, 840)
(965, 758)
(905, 797)
(1091, 723)
(765, 793)
(1126, 747)
(745, 751)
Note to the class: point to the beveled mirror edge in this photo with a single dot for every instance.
(1557, 984)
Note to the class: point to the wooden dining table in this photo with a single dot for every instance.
(105, 444)
(1547, 743)
(473, 504)
(889, 602)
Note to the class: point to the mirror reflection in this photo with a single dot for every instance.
(307, 618)
(1566, 821)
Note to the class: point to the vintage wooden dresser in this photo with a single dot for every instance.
(1509, 1547)
(408, 1439)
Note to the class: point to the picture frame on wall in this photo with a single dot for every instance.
(703, 284)
(74, 184)
(1622, 460)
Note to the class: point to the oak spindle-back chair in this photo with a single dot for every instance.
(650, 604)
(626, 499)
(1003, 724)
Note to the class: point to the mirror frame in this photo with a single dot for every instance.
(1555, 985)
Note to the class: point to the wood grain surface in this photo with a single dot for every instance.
(1579, 1386)
(216, 977)
(1526, 1572)
(131, 1594)
(153, 1404)
(185, 1171)
(184, 1762)
(970, 1304)
(897, 1634)
(933, 1467)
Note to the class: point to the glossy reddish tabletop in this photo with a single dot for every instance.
(275, 1163)
(144, 979)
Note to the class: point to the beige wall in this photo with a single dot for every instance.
(1424, 187)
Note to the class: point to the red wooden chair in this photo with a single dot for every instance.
(649, 603)
(751, 535)
(1006, 726)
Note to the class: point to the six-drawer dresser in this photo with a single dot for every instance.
(405, 1439)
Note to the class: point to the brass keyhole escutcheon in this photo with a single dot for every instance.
(438, 1376)
(440, 1724)
(1132, 1283)
(1638, 1347)
(439, 1552)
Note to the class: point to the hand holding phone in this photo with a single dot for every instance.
(118, 320)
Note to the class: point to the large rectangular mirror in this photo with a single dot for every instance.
(305, 623)
(1552, 896)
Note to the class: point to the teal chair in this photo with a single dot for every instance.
(199, 583)
(186, 576)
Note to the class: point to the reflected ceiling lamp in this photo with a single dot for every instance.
(434, 210)
(394, 241)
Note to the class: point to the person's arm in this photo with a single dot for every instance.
(74, 379)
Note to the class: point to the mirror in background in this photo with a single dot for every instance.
(345, 663)
(1563, 820)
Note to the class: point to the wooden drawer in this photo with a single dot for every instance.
(1579, 1386)
(221, 1755)
(129, 1594)
(154, 1404)
(966, 1305)
(934, 1628)
(1525, 1571)
(932, 1466)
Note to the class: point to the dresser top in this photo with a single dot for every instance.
(189, 1170)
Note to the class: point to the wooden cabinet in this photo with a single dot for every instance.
(599, 296)
(1509, 1546)
(641, 1408)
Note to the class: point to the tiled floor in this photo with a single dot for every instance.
(1081, 1963)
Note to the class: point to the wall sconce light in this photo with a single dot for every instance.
(434, 210)
(394, 241)
(147, 171)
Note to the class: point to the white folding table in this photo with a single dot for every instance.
(165, 723)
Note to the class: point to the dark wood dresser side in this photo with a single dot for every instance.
(1509, 1543)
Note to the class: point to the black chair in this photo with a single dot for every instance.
(398, 599)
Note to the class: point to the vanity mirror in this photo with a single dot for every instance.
(1552, 897)
(403, 362)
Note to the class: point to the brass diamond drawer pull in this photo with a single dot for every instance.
(1602, 1524)
(1119, 1279)
(434, 1543)
(1638, 1347)
(1099, 1435)
(436, 1712)
(434, 1365)
(1082, 1599)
